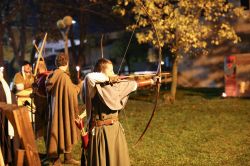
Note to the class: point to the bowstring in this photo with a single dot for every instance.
(158, 73)
(123, 58)
(126, 119)
(125, 53)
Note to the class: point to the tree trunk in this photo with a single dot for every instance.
(22, 39)
(174, 78)
(1, 44)
(72, 56)
(12, 43)
(82, 25)
(66, 45)
(73, 46)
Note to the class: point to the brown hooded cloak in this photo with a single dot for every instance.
(63, 104)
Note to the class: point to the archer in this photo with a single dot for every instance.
(105, 95)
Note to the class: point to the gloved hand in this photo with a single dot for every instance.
(157, 79)
(114, 78)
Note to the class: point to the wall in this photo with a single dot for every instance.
(208, 71)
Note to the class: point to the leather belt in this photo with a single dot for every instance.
(23, 96)
(105, 122)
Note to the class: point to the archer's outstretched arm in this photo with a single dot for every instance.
(142, 83)
(152, 81)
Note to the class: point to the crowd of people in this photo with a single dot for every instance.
(52, 98)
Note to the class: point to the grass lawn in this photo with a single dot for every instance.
(200, 128)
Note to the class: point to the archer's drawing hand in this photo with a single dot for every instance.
(114, 78)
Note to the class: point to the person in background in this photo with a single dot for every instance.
(23, 79)
(62, 133)
(22, 87)
(40, 100)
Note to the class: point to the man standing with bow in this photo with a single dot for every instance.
(63, 109)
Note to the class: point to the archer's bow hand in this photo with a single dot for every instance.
(157, 79)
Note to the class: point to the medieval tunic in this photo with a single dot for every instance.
(20, 78)
(107, 143)
(23, 95)
(63, 104)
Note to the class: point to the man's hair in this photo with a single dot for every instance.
(25, 63)
(101, 64)
(41, 66)
(61, 59)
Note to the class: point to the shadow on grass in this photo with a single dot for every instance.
(207, 93)
(148, 95)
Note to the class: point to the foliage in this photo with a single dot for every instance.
(183, 26)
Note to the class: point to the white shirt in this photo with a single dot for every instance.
(91, 79)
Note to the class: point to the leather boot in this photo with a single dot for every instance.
(57, 162)
(68, 159)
